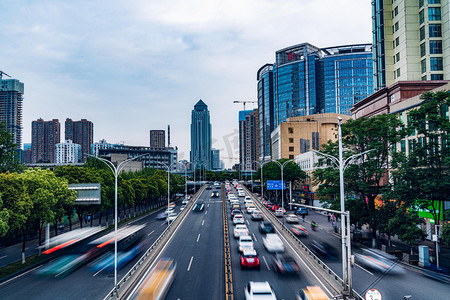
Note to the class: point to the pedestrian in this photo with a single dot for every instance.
(333, 217)
(328, 217)
(333, 224)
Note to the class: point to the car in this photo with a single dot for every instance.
(257, 215)
(208, 187)
(169, 210)
(241, 194)
(299, 231)
(292, 219)
(199, 206)
(215, 194)
(274, 207)
(249, 259)
(279, 213)
(311, 292)
(235, 212)
(273, 243)
(247, 198)
(266, 227)
(239, 230)
(171, 217)
(285, 264)
(302, 211)
(161, 216)
(245, 243)
(185, 201)
(235, 206)
(380, 261)
(251, 209)
(238, 219)
(324, 250)
(262, 290)
(182, 207)
(248, 203)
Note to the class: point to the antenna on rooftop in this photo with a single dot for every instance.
(3, 73)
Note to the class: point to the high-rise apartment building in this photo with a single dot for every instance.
(44, 137)
(309, 80)
(248, 139)
(68, 152)
(11, 101)
(201, 136)
(157, 139)
(411, 40)
(82, 133)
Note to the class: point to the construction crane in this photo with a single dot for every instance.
(3, 73)
(244, 102)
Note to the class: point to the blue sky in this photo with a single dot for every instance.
(133, 66)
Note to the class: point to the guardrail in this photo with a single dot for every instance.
(226, 242)
(125, 285)
(326, 273)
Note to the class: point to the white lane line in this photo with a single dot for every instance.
(203, 222)
(150, 233)
(162, 224)
(190, 263)
(267, 265)
(20, 275)
(254, 237)
(247, 222)
(207, 205)
(364, 269)
(3, 256)
(99, 271)
(206, 212)
(198, 237)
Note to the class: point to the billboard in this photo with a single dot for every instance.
(275, 185)
(87, 193)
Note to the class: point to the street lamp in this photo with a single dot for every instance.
(346, 269)
(116, 171)
(281, 165)
(261, 164)
(168, 180)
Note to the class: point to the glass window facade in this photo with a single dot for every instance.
(436, 64)
(434, 30)
(435, 47)
(423, 50)
(265, 109)
(437, 76)
(434, 13)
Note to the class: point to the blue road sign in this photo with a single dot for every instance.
(275, 185)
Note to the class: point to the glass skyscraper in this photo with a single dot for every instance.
(201, 136)
(11, 101)
(308, 80)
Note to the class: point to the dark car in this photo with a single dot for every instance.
(300, 231)
(324, 250)
(161, 216)
(285, 264)
(302, 211)
(208, 187)
(199, 206)
(266, 227)
(235, 212)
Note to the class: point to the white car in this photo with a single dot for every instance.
(251, 209)
(241, 194)
(279, 212)
(259, 291)
(248, 203)
(238, 219)
(239, 230)
(245, 243)
(182, 207)
(273, 243)
(247, 198)
(171, 217)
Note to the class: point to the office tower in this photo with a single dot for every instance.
(82, 133)
(68, 152)
(26, 153)
(410, 41)
(11, 100)
(201, 136)
(265, 109)
(248, 139)
(157, 139)
(44, 137)
(215, 154)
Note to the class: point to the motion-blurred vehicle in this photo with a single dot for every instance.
(266, 227)
(259, 291)
(311, 293)
(199, 206)
(161, 216)
(107, 261)
(279, 213)
(245, 243)
(185, 202)
(249, 259)
(182, 207)
(300, 231)
(285, 264)
(257, 215)
(302, 211)
(239, 230)
(378, 260)
(159, 280)
(292, 219)
(324, 250)
(171, 217)
(274, 207)
(273, 243)
(238, 219)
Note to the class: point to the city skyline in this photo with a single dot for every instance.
(82, 64)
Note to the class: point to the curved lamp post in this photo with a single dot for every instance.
(281, 165)
(261, 165)
(168, 167)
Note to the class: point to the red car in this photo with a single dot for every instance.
(275, 207)
(249, 259)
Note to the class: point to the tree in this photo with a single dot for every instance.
(445, 234)
(4, 219)
(405, 224)
(366, 177)
(421, 178)
(9, 158)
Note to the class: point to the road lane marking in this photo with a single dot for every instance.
(207, 205)
(254, 237)
(150, 233)
(100, 270)
(206, 212)
(190, 263)
(203, 222)
(247, 223)
(364, 269)
(267, 265)
(162, 224)
(20, 275)
(3, 256)
(198, 237)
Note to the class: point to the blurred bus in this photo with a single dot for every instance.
(158, 282)
(312, 293)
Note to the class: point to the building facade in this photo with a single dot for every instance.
(215, 154)
(157, 139)
(68, 153)
(248, 139)
(82, 133)
(299, 135)
(411, 41)
(11, 106)
(44, 137)
(201, 136)
(265, 110)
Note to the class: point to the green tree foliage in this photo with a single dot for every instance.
(365, 177)
(4, 219)
(406, 225)
(422, 179)
(445, 234)
(272, 171)
(9, 158)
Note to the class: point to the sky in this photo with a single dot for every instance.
(137, 65)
